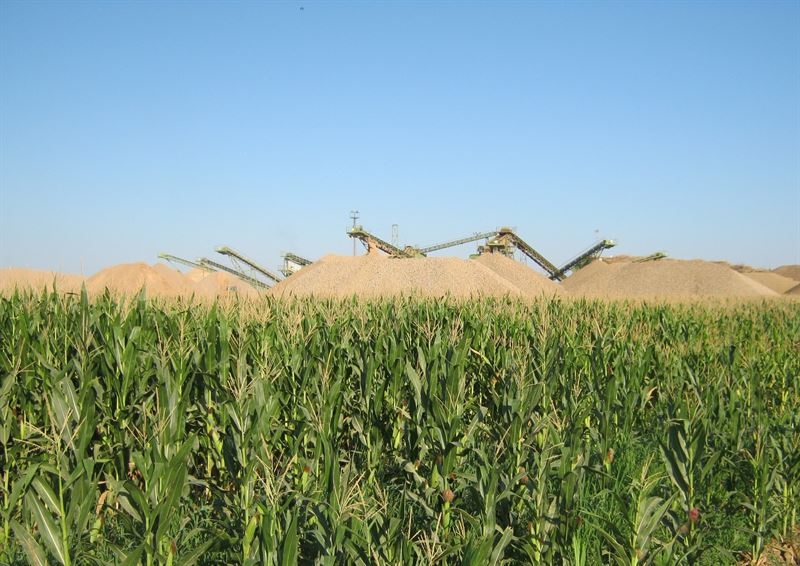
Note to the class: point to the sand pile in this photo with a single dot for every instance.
(520, 275)
(38, 280)
(665, 278)
(158, 280)
(221, 284)
(778, 283)
(129, 278)
(162, 281)
(380, 276)
(790, 271)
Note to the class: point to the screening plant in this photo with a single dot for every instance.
(395, 431)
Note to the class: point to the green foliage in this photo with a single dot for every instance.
(395, 432)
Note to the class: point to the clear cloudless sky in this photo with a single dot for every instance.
(133, 128)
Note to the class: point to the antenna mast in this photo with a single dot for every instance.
(354, 216)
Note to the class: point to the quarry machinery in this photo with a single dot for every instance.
(372, 241)
(188, 263)
(473, 238)
(583, 258)
(233, 254)
(243, 276)
(505, 240)
(293, 263)
(652, 257)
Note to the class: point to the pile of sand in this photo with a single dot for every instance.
(162, 281)
(158, 280)
(523, 277)
(772, 280)
(790, 271)
(380, 276)
(129, 278)
(221, 284)
(38, 280)
(665, 278)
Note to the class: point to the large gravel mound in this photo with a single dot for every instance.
(380, 276)
(665, 278)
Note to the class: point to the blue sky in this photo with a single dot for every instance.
(132, 128)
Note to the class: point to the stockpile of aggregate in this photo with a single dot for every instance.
(380, 276)
(129, 278)
(790, 271)
(162, 281)
(38, 280)
(523, 277)
(157, 280)
(664, 278)
(778, 283)
(222, 284)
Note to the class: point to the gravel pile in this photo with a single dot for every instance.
(380, 276)
(527, 280)
(129, 278)
(790, 271)
(778, 283)
(222, 284)
(38, 280)
(665, 278)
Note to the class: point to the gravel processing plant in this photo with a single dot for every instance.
(503, 265)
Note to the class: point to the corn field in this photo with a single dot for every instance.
(398, 431)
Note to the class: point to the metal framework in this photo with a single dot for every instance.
(652, 257)
(582, 258)
(504, 242)
(175, 259)
(373, 241)
(293, 262)
(243, 276)
(475, 237)
(230, 252)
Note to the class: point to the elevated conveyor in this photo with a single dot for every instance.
(582, 258)
(293, 263)
(243, 276)
(506, 238)
(475, 237)
(188, 263)
(372, 241)
(230, 252)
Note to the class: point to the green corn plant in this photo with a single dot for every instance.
(690, 467)
(393, 431)
(632, 532)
